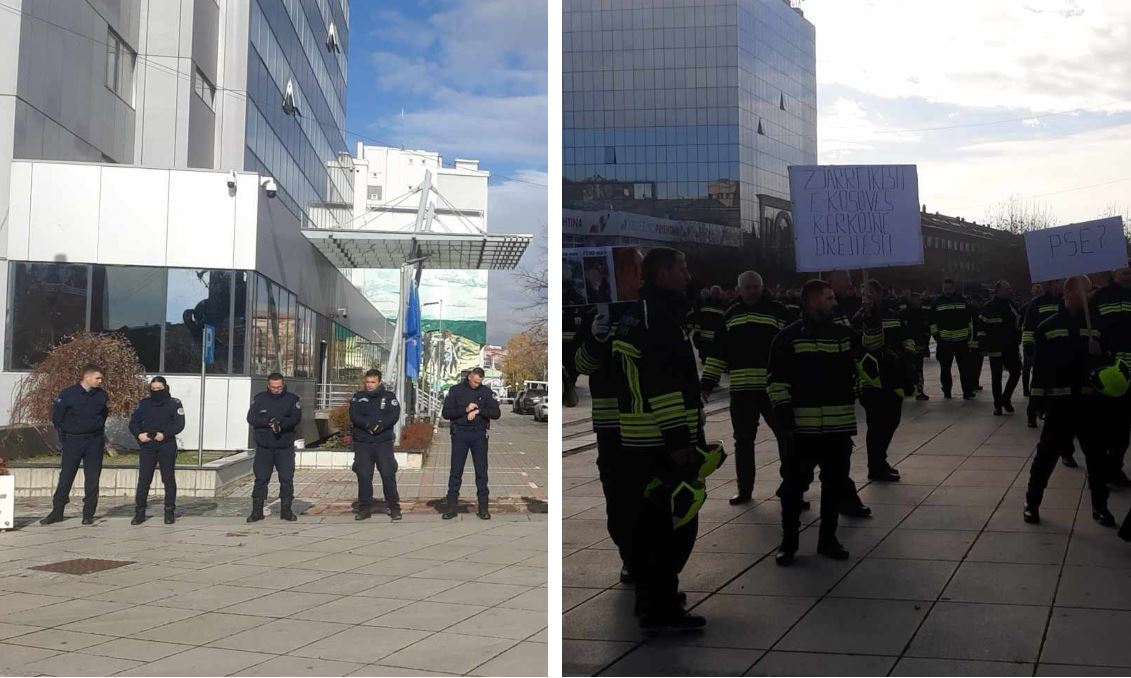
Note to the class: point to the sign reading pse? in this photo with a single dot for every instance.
(1076, 249)
(855, 216)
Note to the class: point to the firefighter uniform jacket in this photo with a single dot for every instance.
(657, 380)
(591, 357)
(709, 319)
(915, 320)
(1112, 315)
(1061, 362)
(812, 378)
(1039, 310)
(952, 319)
(884, 335)
(742, 344)
(999, 327)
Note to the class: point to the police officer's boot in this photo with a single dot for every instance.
(55, 516)
(788, 549)
(483, 513)
(285, 512)
(394, 512)
(169, 517)
(139, 517)
(450, 510)
(256, 511)
(363, 513)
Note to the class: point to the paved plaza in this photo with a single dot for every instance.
(944, 579)
(215, 596)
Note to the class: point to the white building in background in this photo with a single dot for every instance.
(158, 162)
(453, 301)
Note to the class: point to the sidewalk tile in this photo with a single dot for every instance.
(981, 631)
(75, 664)
(136, 649)
(500, 622)
(524, 659)
(301, 666)
(895, 579)
(911, 666)
(813, 664)
(200, 661)
(426, 616)
(132, 620)
(1087, 637)
(202, 629)
(856, 626)
(362, 644)
(449, 652)
(279, 636)
(1006, 583)
(588, 657)
(684, 660)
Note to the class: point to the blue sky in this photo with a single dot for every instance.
(466, 78)
(989, 99)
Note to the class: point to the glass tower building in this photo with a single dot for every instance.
(688, 110)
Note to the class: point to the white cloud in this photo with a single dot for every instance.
(845, 127)
(515, 207)
(1044, 55)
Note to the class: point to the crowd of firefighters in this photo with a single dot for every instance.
(800, 360)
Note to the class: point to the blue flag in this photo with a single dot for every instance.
(412, 335)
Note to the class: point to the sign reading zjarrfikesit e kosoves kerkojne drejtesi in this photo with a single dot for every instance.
(1076, 249)
(855, 216)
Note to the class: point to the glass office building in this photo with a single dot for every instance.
(688, 109)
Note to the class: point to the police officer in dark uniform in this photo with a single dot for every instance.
(812, 385)
(374, 413)
(79, 417)
(155, 423)
(1113, 317)
(661, 425)
(469, 407)
(999, 335)
(1065, 352)
(274, 415)
(742, 349)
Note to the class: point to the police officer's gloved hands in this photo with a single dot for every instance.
(159, 437)
(143, 437)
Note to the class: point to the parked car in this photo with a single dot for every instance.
(525, 401)
(541, 411)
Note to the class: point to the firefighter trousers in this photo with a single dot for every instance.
(1012, 364)
(883, 410)
(745, 409)
(959, 353)
(830, 452)
(623, 486)
(1067, 418)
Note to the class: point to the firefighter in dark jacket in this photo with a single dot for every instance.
(622, 482)
(1112, 306)
(813, 385)
(918, 327)
(742, 349)
(79, 417)
(274, 415)
(1065, 353)
(999, 335)
(156, 422)
(885, 368)
(952, 326)
(1035, 291)
(707, 320)
(469, 408)
(1037, 311)
(661, 425)
(374, 413)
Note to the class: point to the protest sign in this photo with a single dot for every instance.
(855, 216)
(600, 275)
(1076, 249)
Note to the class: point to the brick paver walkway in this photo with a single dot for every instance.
(945, 578)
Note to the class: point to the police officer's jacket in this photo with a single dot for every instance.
(1112, 314)
(884, 336)
(158, 414)
(742, 344)
(374, 414)
(812, 380)
(999, 327)
(285, 408)
(455, 407)
(1039, 310)
(78, 412)
(915, 320)
(657, 380)
(587, 355)
(1061, 361)
(952, 319)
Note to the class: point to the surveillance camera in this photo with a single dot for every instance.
(269, 186)
(232, 180)
(342, 313)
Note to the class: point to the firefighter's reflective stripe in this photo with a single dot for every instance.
(714, 367)
(821, 346)
(1027, 337)
(951, 307)
(585, 362)
(748, 379)
(825, 419)
(606, 413)
(778, 392)
(739, 319)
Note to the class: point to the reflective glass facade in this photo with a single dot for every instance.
(302, 150)
(685, 109)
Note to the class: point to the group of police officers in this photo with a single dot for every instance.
(80, 412)
(802, 368)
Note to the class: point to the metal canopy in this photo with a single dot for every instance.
(384, 249)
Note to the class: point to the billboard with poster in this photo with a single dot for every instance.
(600, 275)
